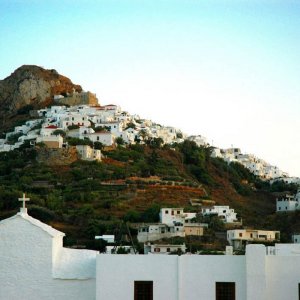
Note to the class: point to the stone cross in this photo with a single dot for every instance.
(24, 199)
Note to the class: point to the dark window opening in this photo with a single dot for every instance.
(143, 290)
(225, 290)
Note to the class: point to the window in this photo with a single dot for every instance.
(167, 212)
(143, 290)
(178, 212)
(225, 290)
(240, 234)
(156, 249)
(168, 249)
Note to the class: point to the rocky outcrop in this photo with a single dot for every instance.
(57, 157)
(32, 86)
(78, 98)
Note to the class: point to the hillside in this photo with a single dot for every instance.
(146, 166)
(85, 199)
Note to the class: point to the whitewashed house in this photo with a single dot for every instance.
(150, 248)
(171, 216)
(288, 203)
(112, 107)
(224, 212)
(106, 138)
(198, 139)
(154, 232)
(189, 217)
(114, 126)
(35, 265)
(173, 222)
(287, 179)
(88, 153)
(48, 130)
(109, 238)
(238, 238)
(74, 119)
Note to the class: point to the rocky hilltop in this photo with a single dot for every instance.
(33, 85)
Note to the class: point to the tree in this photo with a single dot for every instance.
(151, 214)
(120, 140)
(155, 142)
(77, 141)
(98, 146)
(71, 127)
(179, 135)
(132, 216)
(59, 132)
(130, 125)
(102, 128)
(144, 135)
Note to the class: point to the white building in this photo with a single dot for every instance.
(86, 152)
(223, 212)
(261, 274)
(74, 119)
(109, 238)
(239, 238)
(35, 265)
(163, 248)
(156, 232)
(48, 130)
(106, 138)
(171, 216)
(288, 203)
(198, 139)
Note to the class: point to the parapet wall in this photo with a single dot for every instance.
(86, 98)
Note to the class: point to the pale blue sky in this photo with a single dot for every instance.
(228, 70)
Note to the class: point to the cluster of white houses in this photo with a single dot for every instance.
(97, 123)
(256, 165)
(173, 222)
(35, 265)
(119, 124)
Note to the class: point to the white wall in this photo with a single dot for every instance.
(199, 274)
(283, 277)
(26, 266)
(187, 277)
(119, 284)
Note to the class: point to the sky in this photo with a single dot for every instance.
(227, 70)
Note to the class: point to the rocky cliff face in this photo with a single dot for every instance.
(32, 86)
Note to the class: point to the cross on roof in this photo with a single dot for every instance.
(24, 199)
